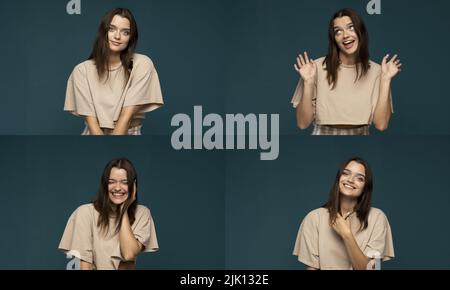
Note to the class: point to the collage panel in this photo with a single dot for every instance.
(47, 179)
(267, 202)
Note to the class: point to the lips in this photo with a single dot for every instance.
(116, 43)
(118, 194)
(346, 185)
(348, 44)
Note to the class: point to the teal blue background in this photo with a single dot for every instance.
(222, 209)
(229, 56)
(266, 201)
(44, 179)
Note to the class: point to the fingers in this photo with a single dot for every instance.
(302, 59)
(394, 58)
(385, 58)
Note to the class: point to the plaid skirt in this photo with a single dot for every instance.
(327, 130)
(134, 131)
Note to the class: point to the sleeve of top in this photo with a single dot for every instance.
(144, 88)
(78, 96)
(381, 238)
(298, 94)
(307, 243)
(376, 94)
(145, 232)
(77, 237)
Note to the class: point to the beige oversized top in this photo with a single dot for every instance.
(350, 102)
(83, 236)
(87, 95)
(320, 247)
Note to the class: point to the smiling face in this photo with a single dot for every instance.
(118, 186)
(352, 180)
(119, 33)
(345, 36)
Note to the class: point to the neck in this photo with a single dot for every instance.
(114, 60)
(347, 204)
(347, 59)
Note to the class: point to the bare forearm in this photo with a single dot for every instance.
(358, 259)
(129, 246)
(125, 118)
(93, 126)
(86, 265)
(305, 109)
(383, 110)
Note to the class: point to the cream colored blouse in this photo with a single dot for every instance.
(320, 247)
(87, 95)
(350, 102)
(82, 235)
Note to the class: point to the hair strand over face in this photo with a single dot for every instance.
(332, 60)
(364, 202)
(101, 51)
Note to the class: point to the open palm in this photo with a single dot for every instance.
(390, 68)
(306, 67)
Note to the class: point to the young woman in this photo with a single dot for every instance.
(110, 232)
(345, 92)
(115, 87)
(346, 232)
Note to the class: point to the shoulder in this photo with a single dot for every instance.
(142, 211)
(85, 210)
(83, 67)
(142, 61)
(315, 215)
(374, 66)
(377, 214)
(321, 61)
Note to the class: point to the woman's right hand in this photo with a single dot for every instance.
(306, 67)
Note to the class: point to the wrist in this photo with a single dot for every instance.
(386, 79)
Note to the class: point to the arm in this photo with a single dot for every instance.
(94, 127)
(383, 109)
(86, 265)
(124, 120)
(129, 246)
(358, 259)
(308, 70)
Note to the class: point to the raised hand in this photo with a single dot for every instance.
(390, 68)
(306, 67)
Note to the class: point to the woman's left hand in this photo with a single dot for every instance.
(126, 204)
(389, 69)
(342, 225)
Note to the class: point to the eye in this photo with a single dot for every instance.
(345, 173)
(351, 28)
(126, 33)
(111, 29)
(337, 32)
(361, 179)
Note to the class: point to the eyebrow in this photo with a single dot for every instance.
(351, 23)
(359, 174)
(113, 26)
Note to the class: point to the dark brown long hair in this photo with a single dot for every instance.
(364, 202)
(103, 204)
(332, 61)
(101, 51)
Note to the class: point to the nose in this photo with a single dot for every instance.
(117, 35)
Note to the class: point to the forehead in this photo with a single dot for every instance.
(356, 167)
(120, 22)
(117, 173)
(342, 21)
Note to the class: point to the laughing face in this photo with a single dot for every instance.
(352, 180)
(118, 186)
(345, 36)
